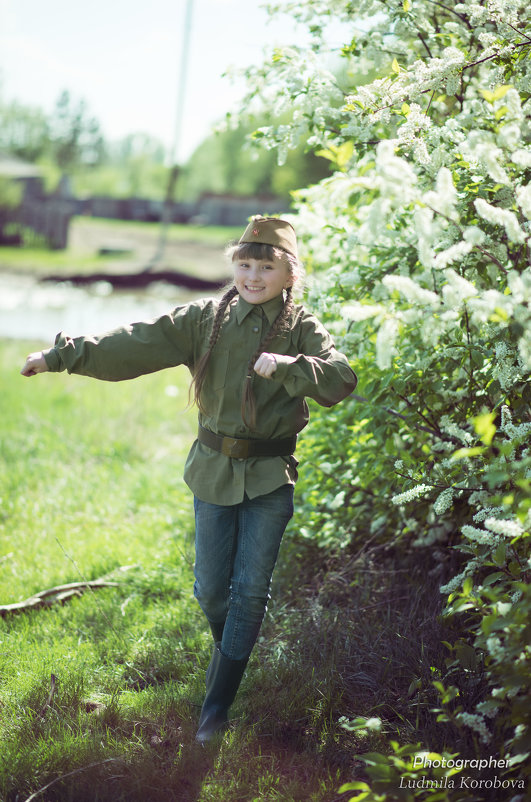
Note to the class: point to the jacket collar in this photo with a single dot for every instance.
(270, 308)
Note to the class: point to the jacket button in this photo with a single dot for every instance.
(255, 329)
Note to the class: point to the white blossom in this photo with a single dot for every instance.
(386, 341)
(505, 370)
(504, 527)
(480, 148)
(523, 197)
(358, 312)
(410, 495)
(522, 157)
(474, 235)
(444, 198)
(444, 500)
(477, 723)
(486, 512)
(500, 217)
(452, 254)
(479, 535)
(410, 290)
(507, 426)
(456, 581)
(448, 426)
(458, 289)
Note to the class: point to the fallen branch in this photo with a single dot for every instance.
(51, 596)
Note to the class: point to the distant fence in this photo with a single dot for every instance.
(40, 215)
(47, 217)
(209, 209)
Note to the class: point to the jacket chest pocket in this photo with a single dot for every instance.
(218, 367)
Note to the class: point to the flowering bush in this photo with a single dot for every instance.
(418, 248)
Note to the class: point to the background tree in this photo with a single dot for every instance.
(419, 247)
(75, 136)
(133, 166)
(24, 131)
(226, 162)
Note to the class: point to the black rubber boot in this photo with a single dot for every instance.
(217, 631)
(223, 679)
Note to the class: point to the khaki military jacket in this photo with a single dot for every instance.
(180, 338)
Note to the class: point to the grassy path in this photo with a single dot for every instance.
(90, 482)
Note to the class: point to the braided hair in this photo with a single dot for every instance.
(201, 367)
(258, 251)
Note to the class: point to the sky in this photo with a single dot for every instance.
(124, 57)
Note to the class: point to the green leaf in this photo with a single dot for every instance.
(463, 453)
(484, 426)
(467, 656)
(354, 786)
(497, 94)
(500, 555)
(491, 578)
(501, 112)
(339, 155)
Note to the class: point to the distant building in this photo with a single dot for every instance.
(47, 216)
(29, 175)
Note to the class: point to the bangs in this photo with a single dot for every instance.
(255, 250)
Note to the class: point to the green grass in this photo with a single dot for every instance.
(90, 482)
(44, 260)
(216, 235)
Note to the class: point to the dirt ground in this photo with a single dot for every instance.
(132, 249)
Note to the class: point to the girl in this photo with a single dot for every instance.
(253, 356)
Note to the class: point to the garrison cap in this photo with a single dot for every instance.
(271, 231)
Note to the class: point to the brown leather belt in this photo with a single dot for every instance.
(242, 449)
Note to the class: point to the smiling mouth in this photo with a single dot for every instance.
(254, 289)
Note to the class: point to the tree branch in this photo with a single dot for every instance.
(494, 55)
(56, 594)
(431, 430)
(491, 257)
(451, 11)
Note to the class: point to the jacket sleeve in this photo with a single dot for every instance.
(319, 370)
(130, 351)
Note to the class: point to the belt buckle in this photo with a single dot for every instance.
(232, 447)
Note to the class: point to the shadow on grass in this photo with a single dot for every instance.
(166, 767)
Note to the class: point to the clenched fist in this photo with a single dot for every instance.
(35, 363)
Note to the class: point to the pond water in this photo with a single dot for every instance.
(33, 310)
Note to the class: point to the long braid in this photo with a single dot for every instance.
(201, 369)
(248, 399)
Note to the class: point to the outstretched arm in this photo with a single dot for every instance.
(35, 363)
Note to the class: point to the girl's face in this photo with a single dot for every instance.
(260, 280)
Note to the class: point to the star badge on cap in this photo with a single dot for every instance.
(255, 232)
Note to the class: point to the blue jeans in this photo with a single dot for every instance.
(236, 548)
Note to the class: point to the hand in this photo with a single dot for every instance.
(35, 363)
(265, 365)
